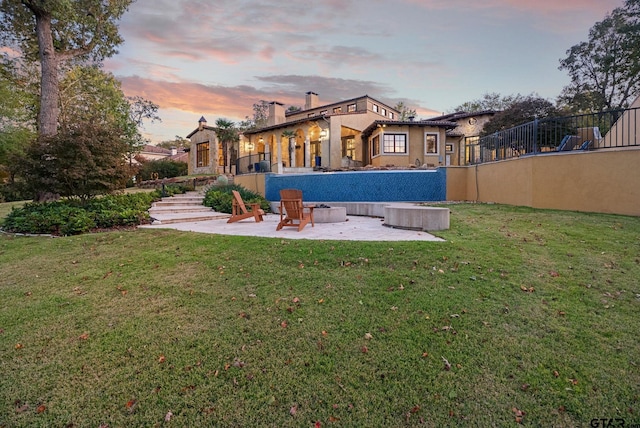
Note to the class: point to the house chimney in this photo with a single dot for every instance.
(276, 113)
(311, 100)
(202, 123)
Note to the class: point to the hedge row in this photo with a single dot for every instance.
(72, 217)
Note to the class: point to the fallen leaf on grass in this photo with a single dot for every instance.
(107, 275)
(21, 409)
(415, 409)
(324, 333)
(161, 359)
(296, 300)
(368, 336)
(131, 405)
(18, 346)
(554, 274)
(525, 386)
(168, 416)
(84, 336)
(317, 424)
(41, 408)
(293, 410)
(364, 349)
(283, 324)
(321, 301)
(555, 373)
(519, 414)
(527, 290)
(333, 419)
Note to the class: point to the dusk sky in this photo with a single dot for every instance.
(217, 58)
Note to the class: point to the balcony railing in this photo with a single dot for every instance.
(259, 162)
(609, 129)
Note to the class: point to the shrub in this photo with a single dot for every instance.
(50, 217)
(73, 216)
(220, 198)
(164, 168)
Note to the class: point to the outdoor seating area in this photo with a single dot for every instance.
(239, 210)
(293, 213)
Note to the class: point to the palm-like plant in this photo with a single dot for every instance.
(228, 135)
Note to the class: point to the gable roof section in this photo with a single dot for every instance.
(210, 128)
(436, 123)
(149, 148)
(463, 115)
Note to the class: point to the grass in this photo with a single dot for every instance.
(534, 311)
(5, 208)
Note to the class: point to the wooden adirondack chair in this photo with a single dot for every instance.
(292, 211)
(239, 210)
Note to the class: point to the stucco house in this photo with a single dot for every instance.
(204, 151)
(150, 152)
(351, 133)
(461, 145)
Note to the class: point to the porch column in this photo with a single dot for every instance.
(292, 152)
(278, 138)
(307, 151)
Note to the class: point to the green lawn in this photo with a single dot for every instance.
(522, 315)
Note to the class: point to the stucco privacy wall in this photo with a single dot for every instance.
(606, 181)
(253, 182)
(362, 186)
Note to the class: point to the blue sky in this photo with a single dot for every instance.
(198, 57)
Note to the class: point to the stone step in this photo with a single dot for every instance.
(170, 203)
(182, 208)
(186, 217)
(179, 209)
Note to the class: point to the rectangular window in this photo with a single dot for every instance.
(337, 110)
(323, 112)
(395, 143)
(449, 148)
(202, 154)
(383, 111)
(351, 108)
(376, 109)
(349, 147)
(430, 144)
(392, 116)
(375, 146)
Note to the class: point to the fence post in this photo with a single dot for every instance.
(535, 135)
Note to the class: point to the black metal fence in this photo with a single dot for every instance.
(614, 128)
(259, 162)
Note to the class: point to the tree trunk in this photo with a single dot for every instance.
(50, 96)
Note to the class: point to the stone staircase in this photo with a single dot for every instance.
(182, 208)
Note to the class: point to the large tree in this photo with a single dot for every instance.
(259, 119)
(87, 92)
(56, 33)
(82, 160)
(406, 113)
(489, 101)
(523, 111)
(605, 70)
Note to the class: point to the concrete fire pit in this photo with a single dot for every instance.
(329, 215)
